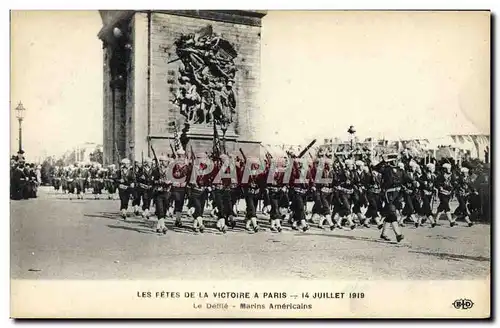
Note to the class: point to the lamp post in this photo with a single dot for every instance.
(20, 112)
(352, 136)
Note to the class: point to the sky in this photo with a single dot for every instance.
(392, 75)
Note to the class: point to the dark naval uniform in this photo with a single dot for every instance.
(125, 179)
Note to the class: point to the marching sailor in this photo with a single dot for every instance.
(391, 188)
(324, 190)
(427, 187)
(410, 193)
(137, 191)
(444, 183)
(345, 191)
(373, 195)
(162, 189)
(110, 180)
(300, 185)
(125, 180)
(251, 191)
(278, 198)
(359, 195)
(144, 186)
(199, 190)
(181, 176)
(463, 189)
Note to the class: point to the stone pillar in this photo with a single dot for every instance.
(140, 84)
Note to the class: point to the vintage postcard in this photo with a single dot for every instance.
(250, 164)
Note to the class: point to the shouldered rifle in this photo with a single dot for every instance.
(173, 151)
(193, 157)
(243, 154)
(303, 152)
(154, 157)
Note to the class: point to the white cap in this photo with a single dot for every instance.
(447, 165)
(464, 170)
(349, 162)
(125, 161)
(162, 158)
(359, 163)
(401, 165)
(413, 163)
(430, 166)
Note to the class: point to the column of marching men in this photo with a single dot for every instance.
(344, 192)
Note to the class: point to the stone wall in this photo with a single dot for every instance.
(139, 114)
(165, 29)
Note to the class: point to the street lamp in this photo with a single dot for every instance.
(352, 132)
(20, 112)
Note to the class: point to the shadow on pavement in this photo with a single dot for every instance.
(112, 226)
(368, 239)
(103, 215)
(454, 257)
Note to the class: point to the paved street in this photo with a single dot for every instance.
(56, 238)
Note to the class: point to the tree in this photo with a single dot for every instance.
(96, 156)
(47, 170)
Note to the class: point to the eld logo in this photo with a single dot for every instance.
(463, 304)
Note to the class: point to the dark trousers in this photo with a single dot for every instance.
(223, 202)
(325, 199)
(136, 196)
(277, 199)
(197, 200)
(391, 200)
(251, 200)
(410, 201)
(462, 209)
(97, 187)
(444, 203)
(426, 209)
(162, 202)
(359, 200)
(178, 194)
(142, 194)
(374, 205)
(124, 197)
(298, 207)
(344, 204)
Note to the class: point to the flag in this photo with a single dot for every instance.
(216, 144)
(177, 140)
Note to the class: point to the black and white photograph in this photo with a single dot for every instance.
(250, 163)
